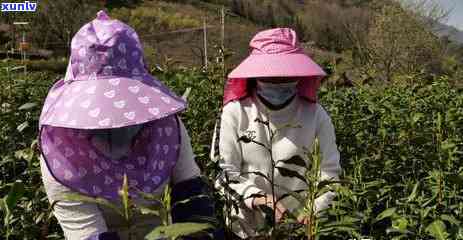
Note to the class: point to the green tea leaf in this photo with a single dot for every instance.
(400, 224)
(455, 179)
(414, 192)
(201, 196)
(296, 160)
(27, 106)
(256, 173)
(124, 193)
(177, 230)
(451, 219)
(290, 173)
(16, 192)
(295, 194)
(100, 201)
(149, 209)
(416, 117)
(291, 194)
(244, 139)
(325, 183)
(438, 230)
(386, 213)
(256, 195)
(22, 126)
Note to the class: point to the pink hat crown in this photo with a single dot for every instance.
(105, 48)
(275, 53)
(275, 41)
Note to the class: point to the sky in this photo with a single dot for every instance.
(456, 16)
(455, 7)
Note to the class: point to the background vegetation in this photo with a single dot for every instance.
(394, 93)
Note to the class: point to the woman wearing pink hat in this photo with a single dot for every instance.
(108, 118)
(277, 83)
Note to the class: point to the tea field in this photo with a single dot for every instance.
(401, 152)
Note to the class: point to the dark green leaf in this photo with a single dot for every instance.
(296, 160)
(244, 139)
(16, 192)
(292, 193)
(324, 183)
(101, 201)
(451, 219)
(455, 179)
(256, 195)
(290, 173)
(177, 230)
(27, 106)
(386, 213)
(255, 173)
(414, 192)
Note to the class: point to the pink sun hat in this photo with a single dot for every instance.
(275, 53)
(107, 84)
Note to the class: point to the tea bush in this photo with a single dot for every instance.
(24, 207)
(401, 150)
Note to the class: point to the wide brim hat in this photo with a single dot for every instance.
(275, 53)
(107, 84)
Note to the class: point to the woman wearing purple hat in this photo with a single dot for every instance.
(108, 118)
(277, 83)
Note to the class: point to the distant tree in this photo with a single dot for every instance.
(334, 27)
(399, 43)
(57, 21)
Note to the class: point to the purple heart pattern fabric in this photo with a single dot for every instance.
(76, 162)
(107, 84)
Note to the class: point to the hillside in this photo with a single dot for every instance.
(341, 35)
(451, 32)
(168, 29)
(180, 36)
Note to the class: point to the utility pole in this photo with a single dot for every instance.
(205, 42)
(222, 38)
(23, 45)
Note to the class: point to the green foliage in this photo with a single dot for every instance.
(437, 229)
(8, 203)
(399, 43)
(177, 230)
(159, 208)
(401, 147)
(152, 18)
(20, 99)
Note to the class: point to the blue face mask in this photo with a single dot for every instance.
(276, 93)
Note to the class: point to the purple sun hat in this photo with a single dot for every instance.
(107, 84)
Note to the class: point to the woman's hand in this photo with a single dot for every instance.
(268, 201)
(303, 220)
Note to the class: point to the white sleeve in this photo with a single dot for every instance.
(330, 167)
(186, 167)
(78, 220)
(231, 159)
